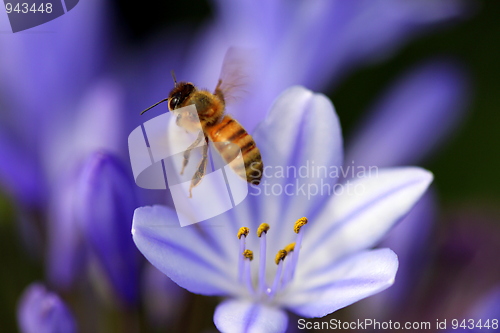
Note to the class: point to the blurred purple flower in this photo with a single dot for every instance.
(462, 268)
(94, 219)
(106, 201)
(44, 77)
(66, 109)
(416, 113)
(406, 125)
(336, 268)
(41, 311)
(96, 126)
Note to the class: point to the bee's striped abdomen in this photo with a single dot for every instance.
(228, 132)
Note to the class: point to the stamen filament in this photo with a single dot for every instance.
(248, 255)
(277, 278)
(262, 233)
(242, 235)
(287, 274)
(298, 243)
(279, 261)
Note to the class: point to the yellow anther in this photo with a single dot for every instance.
(248, 254)
(243, 232)
(264, 227)
(290, 247)
(299, 224)
(280, 256)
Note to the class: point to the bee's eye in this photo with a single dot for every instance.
(174, 102)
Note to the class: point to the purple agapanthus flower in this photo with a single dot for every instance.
(104, 201)
(41, 311)
(336, 266)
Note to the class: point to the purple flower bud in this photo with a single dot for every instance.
(41, 311)
(105, 207)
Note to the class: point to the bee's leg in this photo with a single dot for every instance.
(187, 152)
(200, 171)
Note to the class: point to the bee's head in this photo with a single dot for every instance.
(179, 94)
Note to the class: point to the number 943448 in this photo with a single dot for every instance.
(475, 324)
(25, 8)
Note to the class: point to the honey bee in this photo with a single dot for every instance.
(213, 124)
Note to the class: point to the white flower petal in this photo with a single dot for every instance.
(360, 216)
(336, 286)
(301, 132)
(188, 255)
(235, 316)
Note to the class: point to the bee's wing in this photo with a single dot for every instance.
(235, 74)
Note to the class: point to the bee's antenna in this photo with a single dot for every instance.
(163, 100)
(152, 106)
(173, 77)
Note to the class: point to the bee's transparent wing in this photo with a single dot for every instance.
(235, 74)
